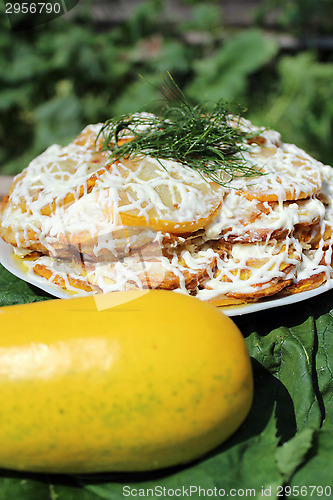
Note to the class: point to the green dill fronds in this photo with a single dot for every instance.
(197, 138)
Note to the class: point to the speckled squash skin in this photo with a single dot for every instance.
(153, 382)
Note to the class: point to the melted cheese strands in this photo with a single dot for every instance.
(101, 226)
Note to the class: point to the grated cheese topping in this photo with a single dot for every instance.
(141, 222)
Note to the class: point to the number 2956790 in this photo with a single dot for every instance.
(34, 8)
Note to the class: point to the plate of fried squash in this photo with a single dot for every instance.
(210, 206)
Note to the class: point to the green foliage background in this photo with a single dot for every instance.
(62, 75)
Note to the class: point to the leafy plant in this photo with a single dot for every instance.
(56, 79)
(301, 105)
(225, 71)
(59, 77)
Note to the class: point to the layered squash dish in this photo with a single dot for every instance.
(108, 212)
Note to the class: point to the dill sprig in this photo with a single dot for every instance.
(197, 138)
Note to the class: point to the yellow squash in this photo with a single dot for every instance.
(152, 382)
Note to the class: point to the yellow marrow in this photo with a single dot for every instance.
(152, 382)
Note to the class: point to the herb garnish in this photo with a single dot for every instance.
(197, 138)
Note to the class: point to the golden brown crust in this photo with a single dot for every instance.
(271, 289)
(229, 249)
(42, 271)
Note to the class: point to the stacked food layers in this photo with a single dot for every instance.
(91, 224)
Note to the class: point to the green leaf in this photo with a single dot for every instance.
(317, 471)
(225, 72)
(137, 94)
(25, 64)
(57, 121)
(173, 58)
(324, 361)
(291, 454)
(16, 291)
(71, 492)
(14, 488)
(302, 108)
(11, 97)
(287, 352)
(44, 487)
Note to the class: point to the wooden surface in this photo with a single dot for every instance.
(5, 182)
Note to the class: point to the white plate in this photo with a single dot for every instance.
(13, 266)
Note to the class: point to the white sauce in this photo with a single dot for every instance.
(52, 205)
